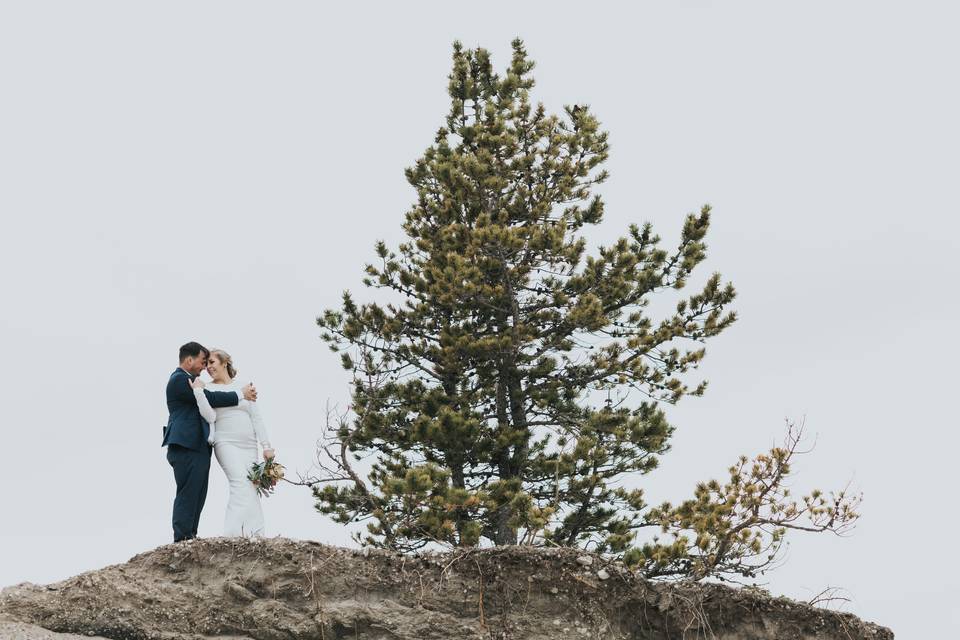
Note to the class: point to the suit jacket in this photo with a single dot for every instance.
(185, 426)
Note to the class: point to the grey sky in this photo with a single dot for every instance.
(220, 172)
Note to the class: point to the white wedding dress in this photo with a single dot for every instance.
(235, 432)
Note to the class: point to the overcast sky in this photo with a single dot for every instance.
(220, 172)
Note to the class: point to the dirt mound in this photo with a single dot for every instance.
(278, 589)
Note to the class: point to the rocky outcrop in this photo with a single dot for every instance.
(278, 589)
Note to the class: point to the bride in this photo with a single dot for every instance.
(234, 432)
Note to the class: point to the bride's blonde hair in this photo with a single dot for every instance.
(225, 360)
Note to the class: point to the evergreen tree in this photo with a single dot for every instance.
(517, 380)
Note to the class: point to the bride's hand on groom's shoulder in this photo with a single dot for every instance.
(197, 383)
(250, 393)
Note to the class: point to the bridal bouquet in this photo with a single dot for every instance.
(265, 476)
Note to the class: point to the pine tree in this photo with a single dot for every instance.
(517, 380)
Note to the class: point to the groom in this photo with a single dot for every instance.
(185, 437)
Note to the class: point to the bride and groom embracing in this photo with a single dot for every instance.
(222, 418)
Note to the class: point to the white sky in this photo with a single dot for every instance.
(221, 171)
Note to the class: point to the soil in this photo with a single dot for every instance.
(10, 628)
(279, 589)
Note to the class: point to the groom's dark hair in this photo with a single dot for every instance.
(193, 349)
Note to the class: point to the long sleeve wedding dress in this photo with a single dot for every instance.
(236, 433)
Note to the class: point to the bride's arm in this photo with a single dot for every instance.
(203, 403)
(258, 426)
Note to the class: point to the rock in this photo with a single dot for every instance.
(585, 561)
(602, 574)
(239, 592)
(22, 631)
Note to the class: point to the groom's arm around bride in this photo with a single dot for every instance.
(185, 426)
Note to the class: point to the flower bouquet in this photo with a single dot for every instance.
(265, 476)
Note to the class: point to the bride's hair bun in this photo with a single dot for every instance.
(225, 360)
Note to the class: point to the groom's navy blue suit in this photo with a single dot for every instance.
(188, 452)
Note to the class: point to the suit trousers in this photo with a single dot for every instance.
(191, 470)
